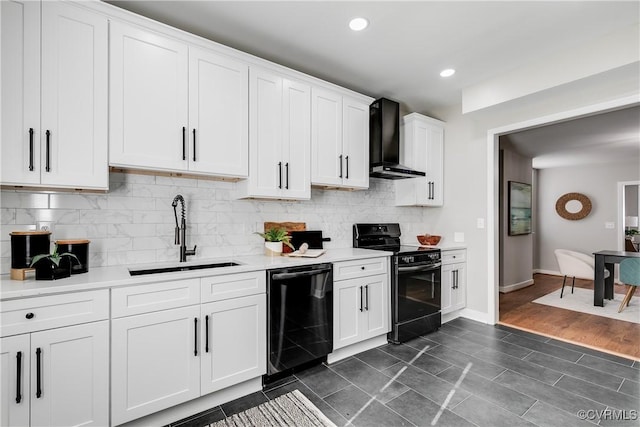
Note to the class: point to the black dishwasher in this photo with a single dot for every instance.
(300, 318)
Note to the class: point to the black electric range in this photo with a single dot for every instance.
(415, 280)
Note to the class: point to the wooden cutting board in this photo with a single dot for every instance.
(289, 226)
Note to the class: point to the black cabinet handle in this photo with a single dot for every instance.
(366, 298)
(194, 145)
(361, 305)
(286, 167)
(31, 149)
(30, 315)
(38, 373)
(18, 377)
(340, 157)
(195, 336)
(48, 146)
(206, 334)
(184, 143)
(280, 175)
(347, 160)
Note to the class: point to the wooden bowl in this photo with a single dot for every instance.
(429, 240)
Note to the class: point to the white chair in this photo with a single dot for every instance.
(575, 264)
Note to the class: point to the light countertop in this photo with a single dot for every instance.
(110, 277)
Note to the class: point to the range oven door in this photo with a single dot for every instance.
(415, 299)
(418, 291)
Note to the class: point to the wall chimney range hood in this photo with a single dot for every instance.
(384, 142)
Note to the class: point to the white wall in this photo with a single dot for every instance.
(134, 222)
(588, 235)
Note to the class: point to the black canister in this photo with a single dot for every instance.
(27, 244)
(80, 248)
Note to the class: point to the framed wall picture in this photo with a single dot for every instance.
(519, 208)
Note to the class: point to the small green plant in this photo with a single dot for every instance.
(54, 257)
(631, 232)
(276, 235)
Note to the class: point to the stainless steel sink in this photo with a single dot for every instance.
(181, 268)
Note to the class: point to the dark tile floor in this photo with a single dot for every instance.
(466, 374)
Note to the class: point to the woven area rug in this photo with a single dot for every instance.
(291, 409)
(582, 300)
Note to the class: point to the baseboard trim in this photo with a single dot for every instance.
(515, 286)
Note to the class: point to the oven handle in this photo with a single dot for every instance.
(419, 268)
(285, 276)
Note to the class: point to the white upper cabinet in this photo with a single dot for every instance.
(54, 95)
(176, 107)
(218, 114)
(339, 140)
(423, 150)
(148, 99)
(279, 138)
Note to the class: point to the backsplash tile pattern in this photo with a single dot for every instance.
(134, 223)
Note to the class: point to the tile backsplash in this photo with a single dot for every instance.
(134, 221)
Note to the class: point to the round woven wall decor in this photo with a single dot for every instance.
(561, 206)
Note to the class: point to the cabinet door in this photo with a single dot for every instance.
(14, 380)
(74, 97)
(434, 167)
(234, 341)
(20, 34)
(155, 362)
(73, 386)
(348, 309)
(265, 134)
(376, 306)
(218, 114)
(148, 99)
(296, 140)
(355, 142)
(447, 290)
(326, 138)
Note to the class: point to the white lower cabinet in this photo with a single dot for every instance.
(155, 363)
(454, 280)
(360, 301)
(167, 348)
(235, 345)
(57, 377)
(54, 360)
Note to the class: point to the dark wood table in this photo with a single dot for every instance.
(603, 288)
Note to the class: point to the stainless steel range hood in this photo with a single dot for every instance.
(384, 142)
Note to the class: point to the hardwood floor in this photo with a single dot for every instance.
(601, 333)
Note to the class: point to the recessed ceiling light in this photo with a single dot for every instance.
(358, 24)
(447, 73)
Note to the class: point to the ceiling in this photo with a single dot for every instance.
(407, 44)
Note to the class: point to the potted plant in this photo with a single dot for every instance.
(274, 239)
(48, 265)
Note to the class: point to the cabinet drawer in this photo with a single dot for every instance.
(360, 268)
(54, 311)
(153, 297)
(457, 255)
(216, 288)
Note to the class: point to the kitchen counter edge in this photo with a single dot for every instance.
(116, 276)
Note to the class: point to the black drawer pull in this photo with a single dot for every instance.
(194, 145)
(38, 373)
(47, 167)
(19, 377)
(184, 143)
(31, 149)
(206, 334)
(195, 336)
(30, 315)
(366, 299)
(280, 175)
(340, 157)
(347, 175)
(361, 304)
(286, 167)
